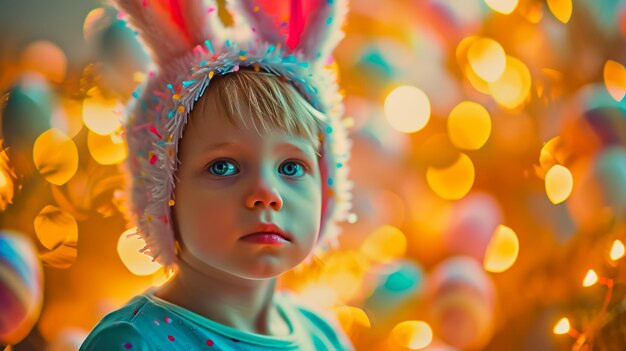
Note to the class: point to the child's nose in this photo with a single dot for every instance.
(264, 193)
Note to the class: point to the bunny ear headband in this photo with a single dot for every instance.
(189, 46)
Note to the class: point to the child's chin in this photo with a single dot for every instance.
(264, 272)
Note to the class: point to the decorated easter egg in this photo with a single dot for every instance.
(599, 195)
(20, 287)
(461, 303)
(397, 284)
(27, 112)
(473, 221)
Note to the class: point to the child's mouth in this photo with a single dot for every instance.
(265, 238)
(267, 233)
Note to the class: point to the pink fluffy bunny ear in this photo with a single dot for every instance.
(314, 33)
(171, 28)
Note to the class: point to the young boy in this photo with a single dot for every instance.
(237, 178)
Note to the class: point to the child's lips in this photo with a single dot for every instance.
(265, 238)
(267, 233)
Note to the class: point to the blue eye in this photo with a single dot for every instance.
(223, 168)
(292, 169)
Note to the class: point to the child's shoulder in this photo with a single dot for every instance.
(123, 329)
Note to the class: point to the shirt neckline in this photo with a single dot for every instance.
(284, 310)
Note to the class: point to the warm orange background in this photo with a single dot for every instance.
(473, 129)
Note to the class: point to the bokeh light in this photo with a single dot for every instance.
(55, 226)
(561, 9)
(106, 149)
(94, 23)
(128, 248)
(4, 180)
(55, 156)
(462, 48)
(384, 245)
(559, 184)
(512, 88)
(67, 117)
(477, 83)
(320, 294)
(461, 54)
(562, 326)
(615, 79)
(551, 153)
(502, 6)
(453, 182)
(413, 335)
(502, 250)
(407, 109)
(351, 317)
(7, 177)
(469, 125)
(591, 278)
(344, 271)
(57, 231)
(617, 250)
(487, 59)
(53, 67)
(101, 115)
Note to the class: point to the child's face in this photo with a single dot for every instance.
(232, 180)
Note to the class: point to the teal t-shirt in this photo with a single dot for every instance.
(150, 323)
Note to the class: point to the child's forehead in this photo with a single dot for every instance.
(255, 106)
(218, 124)
(278, 141)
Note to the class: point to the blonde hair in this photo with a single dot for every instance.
(275, 105)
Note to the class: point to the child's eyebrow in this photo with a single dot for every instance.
(226, 144)
(287, 145)
(297, 148)
(222, 145)
(292, 146)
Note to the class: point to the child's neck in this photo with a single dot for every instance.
(247, 305)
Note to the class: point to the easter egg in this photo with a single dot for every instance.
(20, 287)
(27, 112)
(397, 283)
(461, 303)
(610, 172)
(599, 195)
(473, 221)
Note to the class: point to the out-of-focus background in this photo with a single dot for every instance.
(489, 162)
